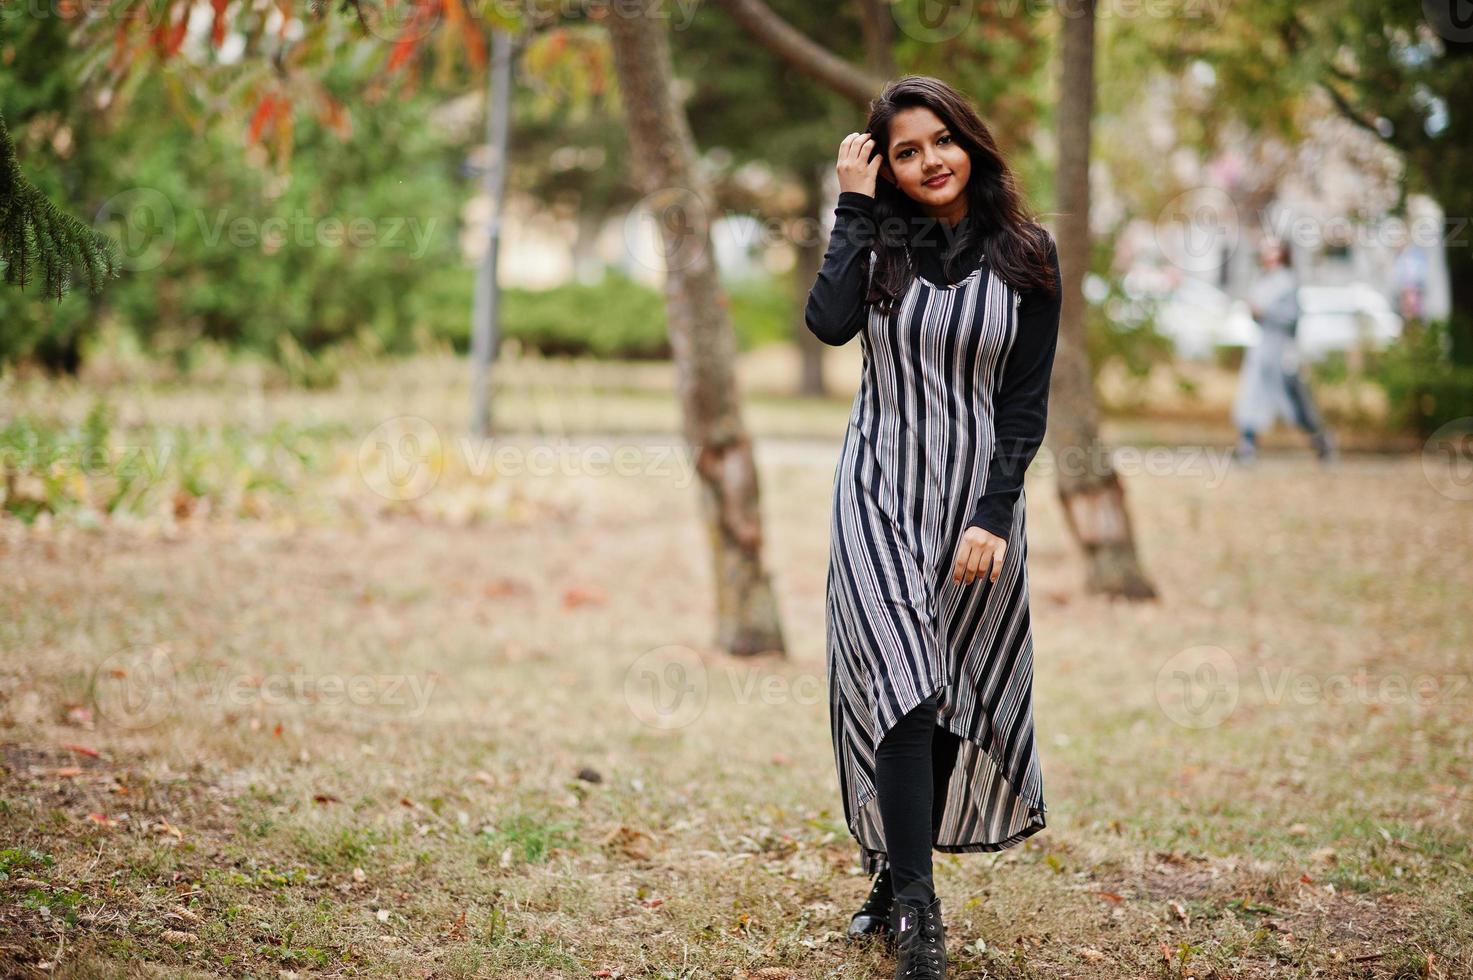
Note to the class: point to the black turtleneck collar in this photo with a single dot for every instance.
(931, 239)
(935, 230)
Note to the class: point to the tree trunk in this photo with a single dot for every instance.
(877, 21)
(810, 259)
(1090, 490)
(663, 154)
(1460, 316)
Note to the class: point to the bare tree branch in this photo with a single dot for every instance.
(809, 57)
(1349, 111)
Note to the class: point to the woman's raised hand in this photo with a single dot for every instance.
(857, 171)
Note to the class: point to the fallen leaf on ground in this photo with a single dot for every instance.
(580, 595)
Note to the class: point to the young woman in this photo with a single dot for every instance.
(1271, 384)
(953, 290)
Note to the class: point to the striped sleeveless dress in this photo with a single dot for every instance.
(913, 462)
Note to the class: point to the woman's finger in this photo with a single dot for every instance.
(975, 565)
(959, 567)
(999, 555)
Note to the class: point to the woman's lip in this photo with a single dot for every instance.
(938, 180)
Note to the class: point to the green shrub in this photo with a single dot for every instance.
(620, 317)
(88, 471)
(355, 245)
(1424, 387)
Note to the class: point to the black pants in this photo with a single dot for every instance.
(912, 770)
(1306, 414)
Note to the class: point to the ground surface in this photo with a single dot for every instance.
(490, 737)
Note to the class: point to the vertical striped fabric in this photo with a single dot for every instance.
(913, 464)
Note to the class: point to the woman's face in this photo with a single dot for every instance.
(923, 149)
(1270, 254)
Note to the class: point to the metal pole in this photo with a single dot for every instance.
(484, 316)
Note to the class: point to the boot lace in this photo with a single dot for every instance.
(922, 944)
(880, 896)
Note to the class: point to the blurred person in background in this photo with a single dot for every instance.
(1271, 384)
(1410, 272)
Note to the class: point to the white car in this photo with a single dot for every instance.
(1339, 318)
(1199, 317)
(1195, 315)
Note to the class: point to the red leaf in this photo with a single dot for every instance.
(120, 49)
(264, 111)
(403, 50)
(333, 115)
(176, 36)
(580, 595)
(81, 750)
(475, 45)
(217, 28)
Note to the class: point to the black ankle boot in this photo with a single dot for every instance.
(920, 941)
(873, 917)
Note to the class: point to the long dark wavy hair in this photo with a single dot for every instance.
(1000, 225)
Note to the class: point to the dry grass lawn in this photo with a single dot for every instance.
(492, 739)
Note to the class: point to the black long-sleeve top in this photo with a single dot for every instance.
(836, 311)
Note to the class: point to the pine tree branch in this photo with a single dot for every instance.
(34, 231)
